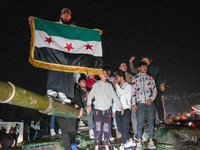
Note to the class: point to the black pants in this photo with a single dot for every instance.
(123, 124)
(68, 127)
(16, 139)
(61, 82)
(159, 105)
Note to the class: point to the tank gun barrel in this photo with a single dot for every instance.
(13, 95)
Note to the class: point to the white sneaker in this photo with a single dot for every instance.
(63, 97)
(59, 131)
(134, 137)
(52, 93)
(151, 145)
(81, 123)
(91, 132)
(129, 143)
(112, 138)
(102, 137)
(139, 146)
(121, 148)
(52, 131)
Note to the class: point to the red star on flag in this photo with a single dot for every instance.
(69, 46)
(49, 40)
(88, 46)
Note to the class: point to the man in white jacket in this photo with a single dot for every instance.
(124, 92)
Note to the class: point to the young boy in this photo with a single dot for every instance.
(103, 93)
(144, 92)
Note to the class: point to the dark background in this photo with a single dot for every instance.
(168, 31)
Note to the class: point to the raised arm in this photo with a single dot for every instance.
(132, 67)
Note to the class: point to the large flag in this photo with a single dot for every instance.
(65, 48)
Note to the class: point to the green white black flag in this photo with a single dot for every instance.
(66, 48)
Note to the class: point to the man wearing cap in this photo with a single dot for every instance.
(66, 16)
(61, 85)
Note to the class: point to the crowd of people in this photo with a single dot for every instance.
(8, 141)
(170, 119)
(124, 97)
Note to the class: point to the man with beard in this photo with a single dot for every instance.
(124, 92)
(128, 79)
(61, 84)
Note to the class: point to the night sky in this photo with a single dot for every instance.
(168, 31)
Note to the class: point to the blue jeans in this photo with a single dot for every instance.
(143, 111)
(90, 119)
(134, 121)
(53, 118)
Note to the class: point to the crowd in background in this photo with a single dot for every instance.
(8, 141)
(189, 119)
